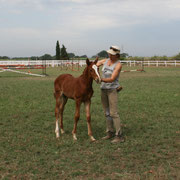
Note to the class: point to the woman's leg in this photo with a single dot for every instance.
(113, 106)
(105, 104)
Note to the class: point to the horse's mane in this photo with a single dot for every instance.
(85, 73)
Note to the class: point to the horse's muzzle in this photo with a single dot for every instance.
(98, 80)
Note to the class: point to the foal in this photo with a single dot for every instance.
(80, 89)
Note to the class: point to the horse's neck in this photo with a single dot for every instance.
(87, 79)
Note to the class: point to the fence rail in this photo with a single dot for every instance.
(54, 63)
(152, 63)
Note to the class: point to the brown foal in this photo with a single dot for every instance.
(80, 89)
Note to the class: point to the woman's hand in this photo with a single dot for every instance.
(101, 62)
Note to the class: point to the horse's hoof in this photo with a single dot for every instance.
(74, 137)
(62, 131)
(92, 139)
(57, 136)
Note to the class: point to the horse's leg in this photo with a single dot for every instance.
(62, 104)
(57, 96)
(88, 116)
(76, 118)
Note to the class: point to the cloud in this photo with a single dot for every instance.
(88, 15)
(19, 32)
(75, 17)
(116, 9)
(78, 20)
(85, 15)
(20, 4)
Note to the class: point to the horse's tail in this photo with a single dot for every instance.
(57, 88)
(57, 94)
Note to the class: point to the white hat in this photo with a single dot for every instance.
(113, 50)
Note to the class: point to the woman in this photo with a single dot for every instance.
(109, 97)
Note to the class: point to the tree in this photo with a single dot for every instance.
(20, 58)
(164, 58)
(34, 57)
(124, 55)
(83, 56)
(136, 58)
(103, 54)
(4, 57)
(71, 55)
(64, 54)
(155, 58)
(58, 51)
(177, 57)
(94, 56)
(46, 57)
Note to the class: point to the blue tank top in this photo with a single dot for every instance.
(106, 73)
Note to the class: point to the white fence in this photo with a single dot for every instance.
(54, 63)
(152, 63)
(51, 63)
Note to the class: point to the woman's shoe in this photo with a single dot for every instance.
(108, 136)
(118, 139)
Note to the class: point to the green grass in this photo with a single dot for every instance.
(149, 109)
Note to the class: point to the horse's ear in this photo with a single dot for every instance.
(96, 60)
(88, 62)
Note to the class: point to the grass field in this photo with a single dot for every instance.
(149, 107)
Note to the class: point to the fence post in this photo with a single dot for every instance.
(142, 65)
(175, 63)
(156, 63)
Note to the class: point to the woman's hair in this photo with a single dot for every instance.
(118, 56)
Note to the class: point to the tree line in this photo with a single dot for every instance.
(62, 54)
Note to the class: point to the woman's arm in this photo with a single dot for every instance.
(101, 62)
(114, 74)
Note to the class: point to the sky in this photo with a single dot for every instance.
(139, 27)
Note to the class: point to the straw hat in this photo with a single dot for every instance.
(113, 50)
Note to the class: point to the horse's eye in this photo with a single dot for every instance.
(91, 70)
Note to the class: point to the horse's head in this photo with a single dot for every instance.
(93, 70)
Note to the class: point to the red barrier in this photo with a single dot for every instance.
(22, 66)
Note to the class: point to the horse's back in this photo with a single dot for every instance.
(65, 82)
(63, 77)
(72, 87)
(59, 81)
